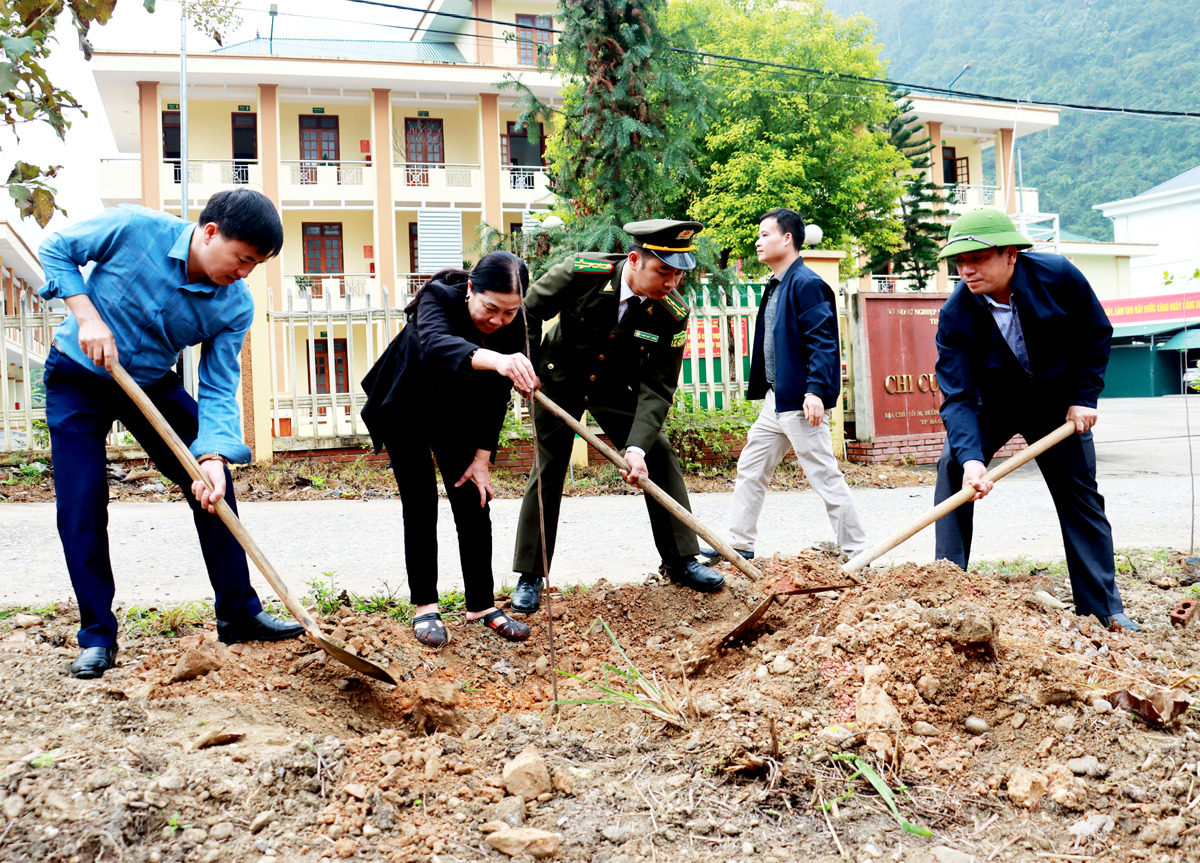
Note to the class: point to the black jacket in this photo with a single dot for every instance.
(1067, 337)
(807, 358)
(424, 379)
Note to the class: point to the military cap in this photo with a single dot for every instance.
(668, 239)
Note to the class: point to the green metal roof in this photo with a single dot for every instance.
(1145, 329)
(349, 49)
(1182, 340)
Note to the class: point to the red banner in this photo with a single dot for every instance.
(714, 327)
(1145, 310)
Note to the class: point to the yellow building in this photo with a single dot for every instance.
(25, 341)
(384, 158)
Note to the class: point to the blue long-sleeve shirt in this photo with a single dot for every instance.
(140, 287)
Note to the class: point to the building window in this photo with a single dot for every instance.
(245, 146)
(954, 169)
(517, 152)
(532, 31)
(171, 139)
(321, 366)
(318, 144)
(322, 254)
(414, 260)
(424, 144)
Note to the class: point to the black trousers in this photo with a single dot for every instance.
(672, 538)
(80, 409)
(1069, 469)
(410, 452)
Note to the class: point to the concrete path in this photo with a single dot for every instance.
(1142, 456)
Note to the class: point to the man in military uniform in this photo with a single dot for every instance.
(616, 351)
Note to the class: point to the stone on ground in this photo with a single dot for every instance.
(526, 775)
(524, 840)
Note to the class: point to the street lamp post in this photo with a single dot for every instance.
(959, 75)
(274, 12)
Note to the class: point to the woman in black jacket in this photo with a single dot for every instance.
(443, 384)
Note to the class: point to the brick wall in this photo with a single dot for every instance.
(915, 448)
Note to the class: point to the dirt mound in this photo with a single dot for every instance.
(980, 710)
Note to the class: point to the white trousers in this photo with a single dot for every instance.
(767, 443)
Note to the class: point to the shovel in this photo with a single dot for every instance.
(652, 489)
(915, 526)
(241, 534)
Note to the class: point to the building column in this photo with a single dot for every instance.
(937, 175)
(150, 123)
(385, 200)
(1004, 179)
(484, 51)
(489, 152)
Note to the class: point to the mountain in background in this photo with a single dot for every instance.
(1094, 52)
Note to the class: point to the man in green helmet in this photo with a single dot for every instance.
(1022, 346)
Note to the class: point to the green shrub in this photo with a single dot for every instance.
(690, 429)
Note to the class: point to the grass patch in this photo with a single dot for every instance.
(170, 620)
(1006, 569)
(640, 692)
(39, 610)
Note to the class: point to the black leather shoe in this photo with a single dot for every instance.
(692, 573)
(711, 555)
(527, 598)
(1120, 618)
(93, 662)
(262, 627)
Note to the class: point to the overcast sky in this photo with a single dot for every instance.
(89, 138)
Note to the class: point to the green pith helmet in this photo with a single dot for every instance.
(982, 229)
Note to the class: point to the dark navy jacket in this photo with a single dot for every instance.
(1067, 336)
(425, 375)
(807, 356)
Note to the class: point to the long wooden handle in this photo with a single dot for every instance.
(952, 503)
(652, 489)
(131, 388)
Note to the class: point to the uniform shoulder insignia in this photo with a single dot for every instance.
(586, 264)
(679, 339)
(675, 306)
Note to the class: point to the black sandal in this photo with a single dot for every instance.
(430, 630)
(509, 629)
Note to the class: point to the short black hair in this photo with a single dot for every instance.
(789, 221)
(246, 215)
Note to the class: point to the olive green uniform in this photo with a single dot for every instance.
(624, 374)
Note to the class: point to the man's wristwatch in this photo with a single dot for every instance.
(209, 456)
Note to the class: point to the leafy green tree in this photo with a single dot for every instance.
(622, 146)
(29, 96)
(920, 205)
(776, 137)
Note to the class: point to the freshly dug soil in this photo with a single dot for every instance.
(767, 753)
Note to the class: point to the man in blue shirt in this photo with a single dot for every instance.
(159, 284)
(1022, 346)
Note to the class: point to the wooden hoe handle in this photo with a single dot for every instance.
(952, 503)
(650, 488)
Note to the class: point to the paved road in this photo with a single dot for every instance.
(1142, 458)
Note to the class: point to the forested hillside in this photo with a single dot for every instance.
(1143, 54)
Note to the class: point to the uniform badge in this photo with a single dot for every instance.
(685, 235)
(642, 334)
(675, 307)
(591, 265)
(678, 340)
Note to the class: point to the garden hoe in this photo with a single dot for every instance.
(863, 559)
(243, 536)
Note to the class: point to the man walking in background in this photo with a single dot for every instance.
(796, 368)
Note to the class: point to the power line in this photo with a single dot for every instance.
(922, 88)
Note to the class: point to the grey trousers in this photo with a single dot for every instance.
(767, 443)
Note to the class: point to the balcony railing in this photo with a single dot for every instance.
(311, 173)
(970, 196)
(226, 172)
(526, 176)
(453, 176)
(341, 285)
(407, 285)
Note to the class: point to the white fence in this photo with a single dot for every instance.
(720, 335)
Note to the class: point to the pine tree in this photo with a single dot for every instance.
(622, 148)
(920, 205)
